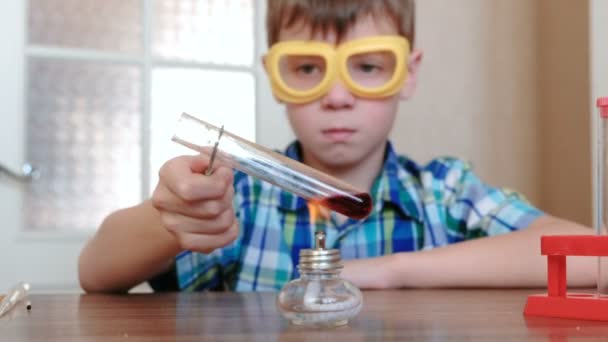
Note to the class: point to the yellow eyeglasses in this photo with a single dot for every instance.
(303, 71)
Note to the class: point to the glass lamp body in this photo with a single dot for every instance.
(319, 297)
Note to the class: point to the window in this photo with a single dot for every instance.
(106, 81)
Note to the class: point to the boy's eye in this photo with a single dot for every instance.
(307, 69)
(371, 64)
(369, 68)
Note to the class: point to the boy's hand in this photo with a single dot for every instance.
(196, 208)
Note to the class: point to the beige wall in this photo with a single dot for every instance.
(564, 92)
(476, 94)
(504, 84)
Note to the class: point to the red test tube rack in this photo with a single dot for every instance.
(557, 302)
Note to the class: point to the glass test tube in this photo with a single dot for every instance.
(14, 295)
(602, 191)
(273, 167)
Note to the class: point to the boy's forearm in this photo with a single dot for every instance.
(509, 260)
(130, 247)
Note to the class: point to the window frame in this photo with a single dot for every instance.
(146, 61)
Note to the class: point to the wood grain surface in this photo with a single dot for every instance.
(403, 315)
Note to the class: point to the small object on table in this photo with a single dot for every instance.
(14, 295)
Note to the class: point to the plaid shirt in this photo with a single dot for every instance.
(414, 208)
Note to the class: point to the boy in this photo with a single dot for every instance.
(340, 68)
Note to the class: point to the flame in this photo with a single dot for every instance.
(317, 212)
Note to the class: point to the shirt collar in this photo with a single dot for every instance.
(395, 185)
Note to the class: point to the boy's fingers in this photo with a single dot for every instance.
(207, 243)
(178, 223)
(196, 187)
(210, 208)
(200, 163)
(193, 186)
(204, 209)
(183, 165)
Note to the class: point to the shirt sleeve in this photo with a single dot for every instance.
(194, 271)
(165, 282)
(474, 209)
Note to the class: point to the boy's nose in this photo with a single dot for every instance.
(338, 97)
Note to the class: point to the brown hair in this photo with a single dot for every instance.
(338, 15)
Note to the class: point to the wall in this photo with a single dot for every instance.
(476, 96)
(564, 92)
(272, 128)
(505, 84)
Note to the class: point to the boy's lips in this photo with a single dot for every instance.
(338, 134)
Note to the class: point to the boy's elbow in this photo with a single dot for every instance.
(89, 286)
(86, 277)
(85, 280)
(89, 279)
(90, 283)
(90, 275)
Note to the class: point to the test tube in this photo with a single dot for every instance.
(273, 167)
(602, 191)
(15, 294)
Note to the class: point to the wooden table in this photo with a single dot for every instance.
(406, 315)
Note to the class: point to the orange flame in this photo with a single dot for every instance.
(317, 212)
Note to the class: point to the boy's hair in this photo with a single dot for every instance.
(337, 15)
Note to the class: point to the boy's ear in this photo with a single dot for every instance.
(413, 65)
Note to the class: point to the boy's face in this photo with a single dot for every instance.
(341, 130)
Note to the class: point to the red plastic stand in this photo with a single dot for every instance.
(556, 302)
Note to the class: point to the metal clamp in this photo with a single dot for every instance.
(28, 173)
(209, 170)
